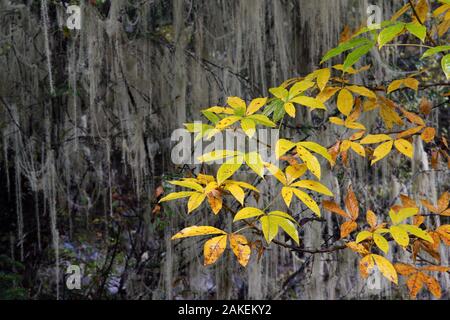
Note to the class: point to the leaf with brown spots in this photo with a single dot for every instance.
(214, 248)
(240, 247)
(347, 228)
(351, 203)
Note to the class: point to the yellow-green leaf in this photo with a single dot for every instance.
(414, 230)
(269, 228)
(227, 169)
(300, 87)
(363, 235)
(255, 162)
(236, 103)
(226, 122)
(188, 184)
(237, 192)
(389, 33)
(249, 127)
(317, 148)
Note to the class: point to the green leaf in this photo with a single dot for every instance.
(435, 50)
(356, 54)
(388, 34)
(353, 43)
(417, 29)
(446, 65)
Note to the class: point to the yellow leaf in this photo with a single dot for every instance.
(188, 184)
(428, 134)
(375, 138)
(402, 214)
(255, 162)
(294, 172)
(382, 151)
(255, 105)
(214, 248)
(337, 121)
(359, 149)
(317, 148)
(414, 230)
(286, 194)
(347, 228)
(386, 268)
(309, 102)
(404, 147)
(215, 201)
(277, 173)
(285, 224)
(226, 122)
(195, 201)
(300, 87)
(269, 228)
(216, 155)
(400, 236)
(241, 184)
(411, 83)
(311, 162)
(381, 242)
(280, 93)
(395, 85)
(363, 91)
(240, 247)
(345, 145)
(282, 147)
(247, 213)
(307, 200)
(197, 231)
(177, 195)
(313, 185)
(363, 235)
(345, 102)
(226, 170)
(323, 75)
(236, 103)
(249, 127)
(237, 192)
(327, 93)
(290, 109)
(354, 125)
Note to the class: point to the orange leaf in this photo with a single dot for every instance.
(415, 283)
(214, 248)
(443, 202)
(351, 203)
(404, 269)
(347, 228)
(333, 207)
(240, 247)
(428, 134)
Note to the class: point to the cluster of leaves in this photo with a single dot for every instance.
(330, 89)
